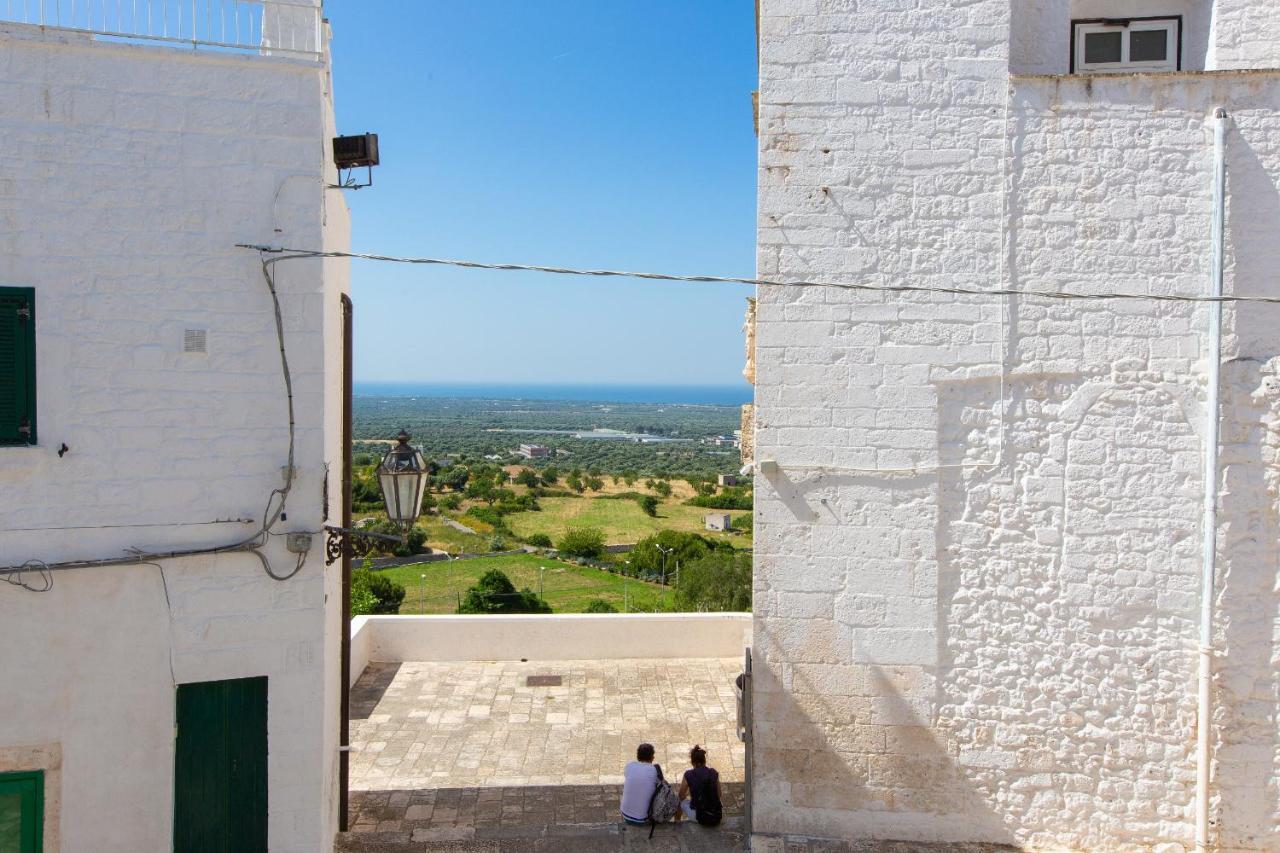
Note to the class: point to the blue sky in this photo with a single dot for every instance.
(593, 133)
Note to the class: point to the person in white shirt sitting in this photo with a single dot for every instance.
(638, 782)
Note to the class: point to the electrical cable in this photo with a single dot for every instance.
(284, 254)
(128, 526)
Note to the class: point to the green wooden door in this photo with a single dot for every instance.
(220, 774)
(21, 812)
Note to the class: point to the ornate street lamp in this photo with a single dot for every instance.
(403, 477)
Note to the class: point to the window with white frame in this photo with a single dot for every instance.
(1124, 46)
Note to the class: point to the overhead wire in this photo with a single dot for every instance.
(286, 253)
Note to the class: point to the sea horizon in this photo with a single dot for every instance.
(690, 395)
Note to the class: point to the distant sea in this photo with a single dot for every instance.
(703, 395)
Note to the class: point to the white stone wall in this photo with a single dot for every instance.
(1246, 34)
(131, 172)
(1000, 644)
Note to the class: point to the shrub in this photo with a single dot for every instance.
(735, 498)
(376, 592)
(720, 581)
(494, 593)
(599, 605)
(649, 504)
(582, 542)
(538, 540)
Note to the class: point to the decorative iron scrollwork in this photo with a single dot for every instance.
(338, 541)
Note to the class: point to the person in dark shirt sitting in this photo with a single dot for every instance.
(700, 791)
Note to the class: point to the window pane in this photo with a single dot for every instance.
(1102, 47)
(10, 823)
(1148, 45)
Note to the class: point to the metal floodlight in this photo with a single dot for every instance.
(350, 152)
(403, 477)
(354, 152)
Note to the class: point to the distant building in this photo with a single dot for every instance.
(727, 480)
(724, 441)
(718, 521)
(534, 451)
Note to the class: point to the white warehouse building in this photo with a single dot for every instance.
(143, 408)
(980, 535)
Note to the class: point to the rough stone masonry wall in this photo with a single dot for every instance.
(1003, 648)
(130, 174)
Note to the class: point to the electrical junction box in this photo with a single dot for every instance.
(298, 543)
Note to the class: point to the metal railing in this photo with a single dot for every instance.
(269, 27)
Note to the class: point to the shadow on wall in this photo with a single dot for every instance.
(845, 748)
(841, 752)
(1247, 681)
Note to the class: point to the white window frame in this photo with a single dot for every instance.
(1171, 27)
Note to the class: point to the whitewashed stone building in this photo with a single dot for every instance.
(979, 548)
(144, 407)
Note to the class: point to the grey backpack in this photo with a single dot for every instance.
(663, 804)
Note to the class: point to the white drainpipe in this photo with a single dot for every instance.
(1209, 526)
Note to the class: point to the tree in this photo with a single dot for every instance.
(582, 542)
(550, 475)
(365, 492)
(663, 488)
(494, 593)
(574, 482)
(647, 557)
(456, 477)
(538, 540)
(719, 581)
(649, 504)
(594, 483)
(366, 546)
(701, 487)
(483, 490)
(629, 477)
(528, 477)
(599, 605)
(376, 592)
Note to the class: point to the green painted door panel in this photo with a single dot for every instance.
(21, 812)
(220, 773)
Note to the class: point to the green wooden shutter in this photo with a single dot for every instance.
(22, 812)
(220, 772)
(17, 365)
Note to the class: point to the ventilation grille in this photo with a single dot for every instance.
(195, 340)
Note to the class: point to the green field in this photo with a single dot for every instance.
(621, 520)
(566, 587)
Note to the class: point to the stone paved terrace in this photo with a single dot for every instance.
(467, 755)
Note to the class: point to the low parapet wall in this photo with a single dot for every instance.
(577, 636)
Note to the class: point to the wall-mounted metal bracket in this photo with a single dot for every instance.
(338, 542)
